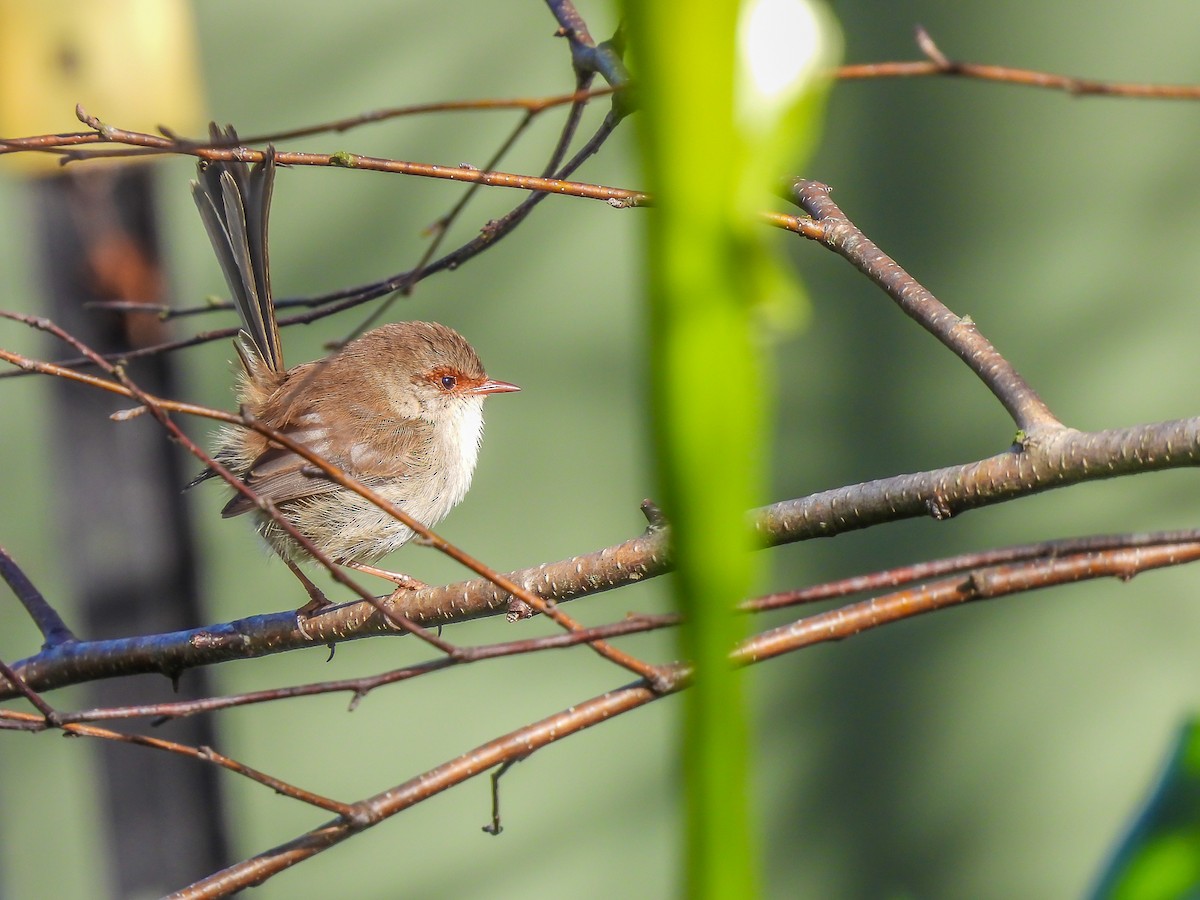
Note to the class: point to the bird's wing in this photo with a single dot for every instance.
(281, 476)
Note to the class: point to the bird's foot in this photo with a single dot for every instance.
(402, 581)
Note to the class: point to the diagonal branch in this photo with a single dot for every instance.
(373, 810)
(54, 630)
(358, 688)
(960, 334)
(12, 720)
(983, 584)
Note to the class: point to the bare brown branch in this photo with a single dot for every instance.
(959, 333)
(54, 630)
(373, 810)
(836, 625)
(984, 584)
(29, 722)
(940, 65)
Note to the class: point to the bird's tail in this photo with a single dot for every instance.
(235, 202)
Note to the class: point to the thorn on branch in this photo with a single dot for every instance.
(618, 40)
(974, 585)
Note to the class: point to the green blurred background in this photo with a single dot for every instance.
(991, 751)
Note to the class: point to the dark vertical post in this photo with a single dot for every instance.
(125, 535)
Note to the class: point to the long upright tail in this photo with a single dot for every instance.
(234, 203)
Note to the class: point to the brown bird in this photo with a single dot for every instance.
(399, 408)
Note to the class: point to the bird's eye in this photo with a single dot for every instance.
(448, 382)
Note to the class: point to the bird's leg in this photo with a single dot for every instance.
(397, 578)
(316, 597)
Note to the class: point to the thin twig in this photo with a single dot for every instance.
(49, 714)
(984, 584)
(532, 106)
(958, 333)
(344, 160)
(205, 754)
(965, 562)
(54, 630)
(941, 65)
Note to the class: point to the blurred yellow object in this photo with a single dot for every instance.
(133, 63)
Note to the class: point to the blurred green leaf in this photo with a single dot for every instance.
(712, 136)
(1159, 858)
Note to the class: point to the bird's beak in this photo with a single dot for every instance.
(494, 387)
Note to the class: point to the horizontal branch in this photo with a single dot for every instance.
(1055, 458)
(343, 160)
(938, 64)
